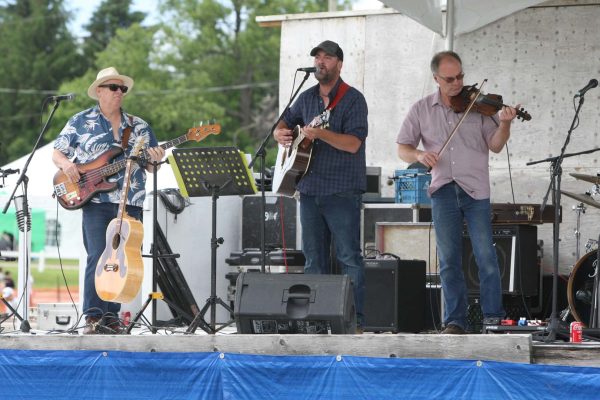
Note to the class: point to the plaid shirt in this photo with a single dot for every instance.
(331, 170)
(88, 134)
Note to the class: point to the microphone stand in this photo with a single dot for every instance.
(261, 153)
(554, 187)
(25, 327)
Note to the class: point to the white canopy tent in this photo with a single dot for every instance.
(454, 17)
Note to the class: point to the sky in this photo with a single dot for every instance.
(82, 11)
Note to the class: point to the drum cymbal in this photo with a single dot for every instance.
(588, 178)
(584, 198)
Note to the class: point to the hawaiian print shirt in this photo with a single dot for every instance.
(88, 134)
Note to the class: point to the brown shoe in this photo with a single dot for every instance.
(91, 325)
(452, 329)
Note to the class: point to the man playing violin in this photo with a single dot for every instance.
(460, 186)
(86, 136)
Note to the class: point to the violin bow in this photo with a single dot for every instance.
(460, 121)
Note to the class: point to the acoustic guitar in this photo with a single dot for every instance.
(120, 269)
(94, 174)
(292, 162)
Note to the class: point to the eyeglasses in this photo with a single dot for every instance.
(114, 87)
(449, 79)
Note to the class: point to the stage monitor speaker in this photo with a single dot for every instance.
(394, 295)
(516, 249)
(293, 303)
(278, 210)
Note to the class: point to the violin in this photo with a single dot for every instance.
(486, 104)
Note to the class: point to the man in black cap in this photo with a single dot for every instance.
(331, 188)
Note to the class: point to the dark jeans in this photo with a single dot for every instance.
(96, 217)
(337, 216)
(451, 205)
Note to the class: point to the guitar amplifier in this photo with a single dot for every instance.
(394, 295)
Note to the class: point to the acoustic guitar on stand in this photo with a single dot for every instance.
(120, 269)
(94, 174)
(293, 161)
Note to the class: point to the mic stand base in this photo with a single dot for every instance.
(25, 327)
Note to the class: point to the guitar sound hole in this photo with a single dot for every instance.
(116, 241)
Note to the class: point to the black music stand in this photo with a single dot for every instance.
(212, 171)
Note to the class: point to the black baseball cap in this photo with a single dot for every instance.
(329, 47)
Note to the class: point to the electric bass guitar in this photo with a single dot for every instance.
(94, 174)
(292, 162)
(120, 269)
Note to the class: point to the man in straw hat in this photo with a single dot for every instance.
(86, 136)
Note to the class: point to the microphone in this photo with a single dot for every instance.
(70, 96)
(314, 69)
(591, 84)
(8, 171)
(22, 212)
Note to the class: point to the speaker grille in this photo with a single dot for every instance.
(394, 295)
(516, 249)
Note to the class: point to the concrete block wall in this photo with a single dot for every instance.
(539, 57)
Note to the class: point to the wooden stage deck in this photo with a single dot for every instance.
(518, 348)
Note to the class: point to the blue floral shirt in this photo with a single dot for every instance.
(88, 134)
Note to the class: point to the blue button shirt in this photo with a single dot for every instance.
(331, 170)
(88, 134)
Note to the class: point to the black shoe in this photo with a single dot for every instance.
(452, 329)
(112, 326)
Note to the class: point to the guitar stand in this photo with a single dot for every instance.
(216, 171)
(154, 295)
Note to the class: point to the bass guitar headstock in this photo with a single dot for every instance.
(200, 132)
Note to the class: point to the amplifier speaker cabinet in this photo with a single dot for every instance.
(409, 241)
(292, 303)
(394, 295)
(374, 213)
(516, 249)
(278, 210)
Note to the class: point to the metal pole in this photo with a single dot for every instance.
(332, 5)
(450, 25)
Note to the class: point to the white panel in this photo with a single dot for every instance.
(189, 234)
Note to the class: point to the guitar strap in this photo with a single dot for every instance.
(126, 133)
(338, 96)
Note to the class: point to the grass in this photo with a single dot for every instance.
(51, 277)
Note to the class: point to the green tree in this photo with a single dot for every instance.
(108, 17)
(38, 53)
(218, 44)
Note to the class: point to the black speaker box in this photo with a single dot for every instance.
(516, 249)
(293, 303)
(278, 210)
(394, 295)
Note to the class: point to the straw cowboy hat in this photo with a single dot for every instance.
(106, 75)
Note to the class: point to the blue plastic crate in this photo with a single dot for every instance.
(412, 185)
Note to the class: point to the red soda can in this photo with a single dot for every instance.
(126, 317)
(576, 331)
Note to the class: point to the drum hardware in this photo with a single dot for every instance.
(579, 209)
(592, 244)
